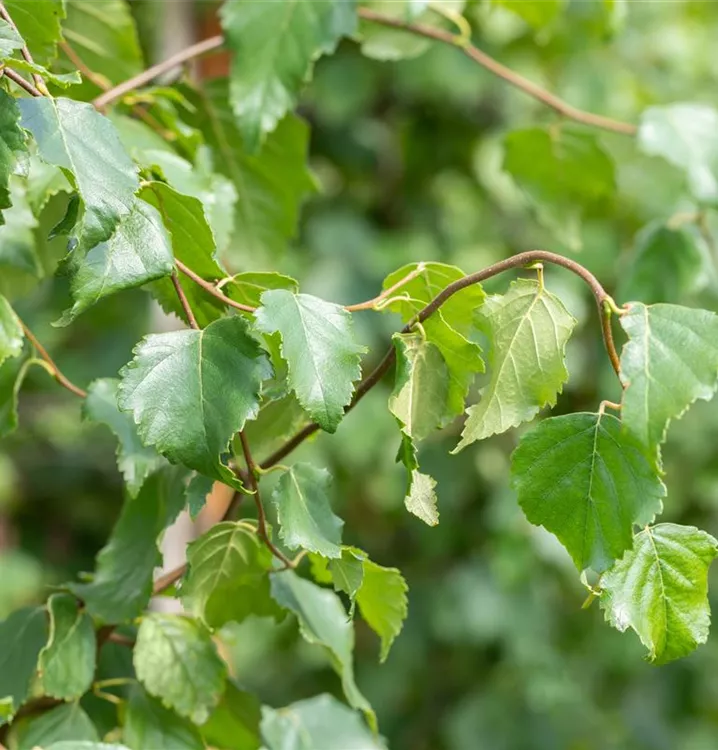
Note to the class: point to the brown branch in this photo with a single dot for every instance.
(166, 580)
(20, 81)
(80, 64)
(184, 301)
(261, 517)
(211, 289)
(501, 71)
(603, 302)
(147, 76)
(25, 52)
(54, 369)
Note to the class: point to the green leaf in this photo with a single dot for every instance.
(85, 145)
(348, 572)
(685, 263)
(207, 381)
(10, 42)
(12, 141)
(148, 724)
(304, 512)
(323, 621)
(383, 603)
(81, 745)
(588, 482)
(562, 172)
(536, 13)
(12, 374)
(22, 636)
(318, 346)
(193, 244)
(667, 344)
(177, 662)
(421, 497)
(138, 252)
(58, 725)
(276, 420)
(275, 46)
(18, 252)
(63, 80)
(528, 328)
(686, 135)
(122, 584)
(660, 590)
(270, 185)
(67, 663)
(135, 460)
(39, 24)
(228, 576)
(11, 333)
(197, 490)
(234, 723)
(320, 723)
(248, 287)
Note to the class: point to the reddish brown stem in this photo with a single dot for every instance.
(211, 289)
(184, 302)
(168, 579)
(21, 82)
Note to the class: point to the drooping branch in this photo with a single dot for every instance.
(604, 302)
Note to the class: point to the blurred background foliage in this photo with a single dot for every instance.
(407, 158)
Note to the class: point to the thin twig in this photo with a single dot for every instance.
(20, 81)
(201, 48)
(54, 369)
(79, 63)
(184, 301)
(501, 71)
(168, 579)
(369, 304)
(211, 289)
(25, 52)
(261, 517)
(121, 640)
(603, 302)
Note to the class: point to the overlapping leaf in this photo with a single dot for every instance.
(58, 726)
(234, 723)
(537, 13)
(228, 576)
(177, 662)
(275, 45)
(11, 333)
(318, 345)
(149, 724)
(191, 391)
(84, 144)
(669, 361)
(660, 590)
(528, 328)
(12, 141)
(39, 24)
(588, 482)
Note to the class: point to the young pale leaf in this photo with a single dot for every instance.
(686, 135)
(660, 590)
(11, 333)
(194, 245)
(197, 490)
(148, 724)
(228, 576)
(680, 253)
(177, 662)
(39, 24)
(59, 725)
(138, 252)
(323, 621)
(77, 138)
(320, 723)
(562, 172)
(135, 460)
(383, 603)
(234, 723)
(12, 141)
(588, 482)
(122, 583)
(22, 637)
(669, 361)
(528, 328)
(319, 347)
(304, 512)
(67, 663)
(275, 45)
(191, 391)
(270, 185)
(421, 497)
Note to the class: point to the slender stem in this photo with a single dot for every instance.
(501, 71)
(201, 48)
(168, 579)
(24, 51)
(603, 302)
(369, 304)
(20, 81)
(80, 64)
(53, 368)
(184, 301)
(121, 640)
(261, 517)
(211, 289)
